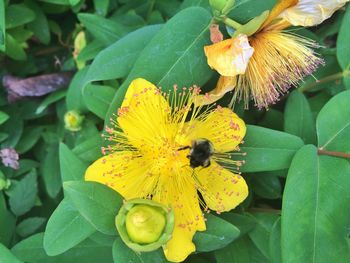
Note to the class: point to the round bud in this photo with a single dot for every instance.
(144, 225)
(73, 120)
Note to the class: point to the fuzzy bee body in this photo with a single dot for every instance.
(200, 153)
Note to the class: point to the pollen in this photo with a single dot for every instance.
(281, 59)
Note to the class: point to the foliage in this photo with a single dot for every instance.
(297, 209)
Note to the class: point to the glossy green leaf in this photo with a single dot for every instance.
(29, 226)
(268, 150)
(50, 169)
(315, 214)
(91, 50)
(72, 168)
(3, 117)
(97, 203)
(298, 119)
(343, 40)
(14, 49)
(39, 26)
(121, 254)
(333, 124)
(275, 242)
(260, 235)
(17, 15)
(22, 194)
(101, 6)
(8, 220)
(90, 149)
(65, 229)
(174, 56)
(218, 234)
(6, 255)
(13, 127)
(117, 60)
(74, 98)
(244, 223)
(242, 250)
(88, 251)
(30, 137)
(245, 10)
(98, 98)
(105, 30)
(267, 186)
(2, 26)
(25, 165)
(53, 97)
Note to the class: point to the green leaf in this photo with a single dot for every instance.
(90, 51)
(65, 229)
(218, 234)
(243, 222)
(275, 242)
(242, 250)
(72, 168)
(39, 26)
(7, 219)
(30, 137)
(2, 26)
(97, 203)
(105, 30)
(298, 119)
(174, 56)
(53, 97)
(101, 6)
(267, 186)
(14, 49)
(97, 98)
(17, 15)
(268, 150)
(25, 165)
(90, 149)
(333, 124)
(121, 254)
(260, 235)
(50, 169)
(29, 225)
(315, 209)
(88, 251)
(74, 99)
(6, 256)
(248, 9)
(117, 60)
(343, 39)
(13, 127)
(3, 117)
(22, 194)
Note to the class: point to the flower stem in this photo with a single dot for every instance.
(231, 23)
(329, 78)
(331, 153)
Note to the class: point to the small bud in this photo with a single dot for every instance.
(4, 183)
(144, 225)
(222, 6)
(73, 120)
(79, 44)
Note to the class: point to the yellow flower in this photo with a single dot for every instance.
(150, 158)
(265, 64)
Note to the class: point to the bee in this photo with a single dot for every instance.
(200, 153)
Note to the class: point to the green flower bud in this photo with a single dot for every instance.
(73, 120)
(4, 183)
(144, 225)
(222, 6)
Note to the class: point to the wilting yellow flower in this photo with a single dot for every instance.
(264, 65)
(150, 158)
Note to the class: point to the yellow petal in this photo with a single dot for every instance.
(224, 85)
(278, 9)
(221, 189)
(311, 12)
(124, 172)
(179, 191)
(222, 127)
(143, 114)
(229, 57)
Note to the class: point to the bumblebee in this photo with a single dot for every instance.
(200, 153)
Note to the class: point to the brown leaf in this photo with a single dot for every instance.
(18, 88)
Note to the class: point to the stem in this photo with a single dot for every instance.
(329, 78)
(336, 154)
(231, 23)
